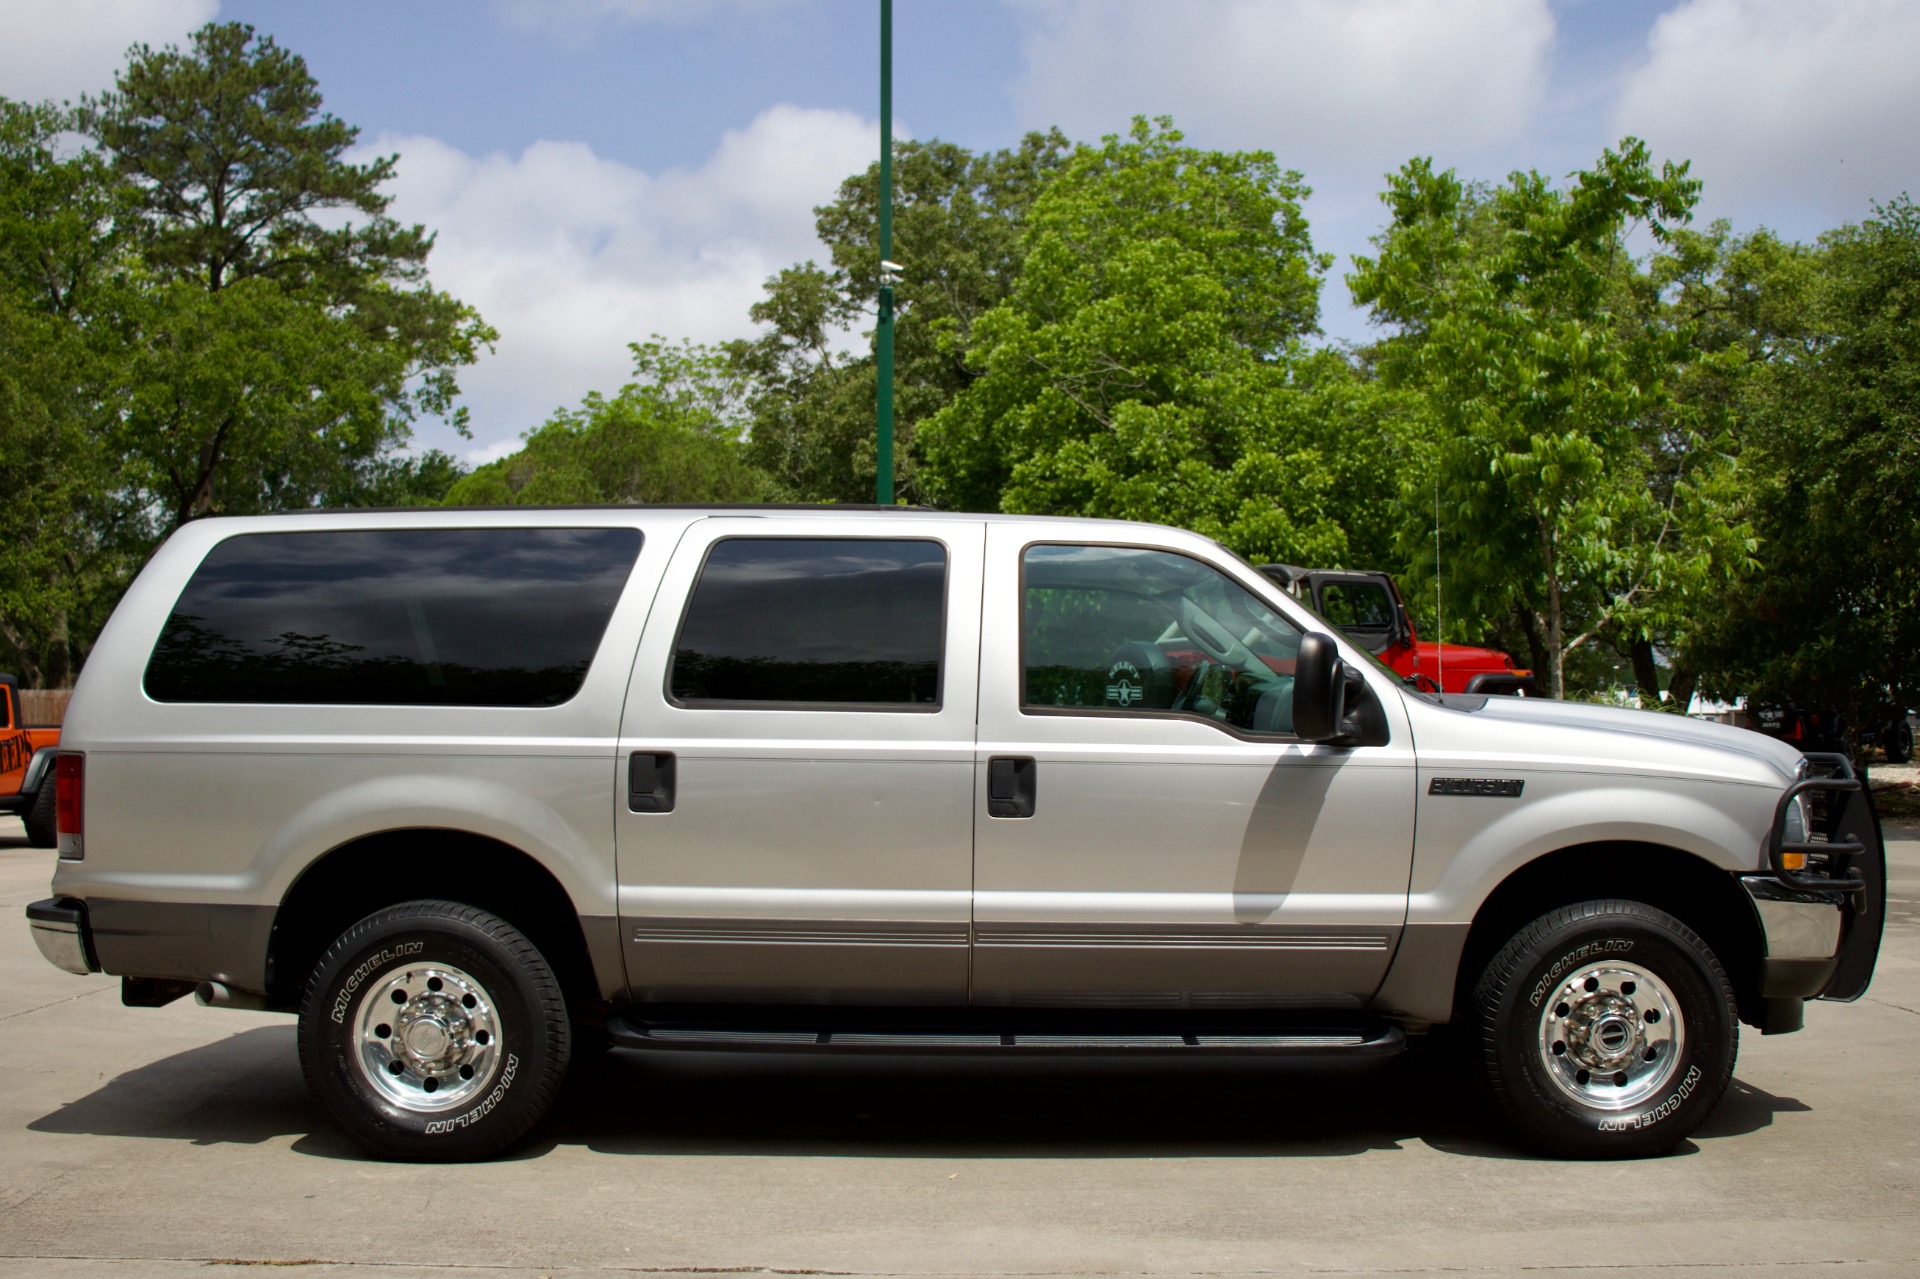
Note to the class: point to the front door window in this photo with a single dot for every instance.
(1123, 630)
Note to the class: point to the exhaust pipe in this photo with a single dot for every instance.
(214, 994)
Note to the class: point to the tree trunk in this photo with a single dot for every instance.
(1529, 622)
(29, 667)
(1556, 632)
(1646, 672)
(58, 672)
(200, 501)
(1680, 690)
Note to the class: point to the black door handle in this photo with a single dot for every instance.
(1012, 782)
(650, 781)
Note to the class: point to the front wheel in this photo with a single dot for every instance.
(1607, 1030)
(434, 1031)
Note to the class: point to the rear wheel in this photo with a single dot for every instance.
(1899, 741)
(1607, 1030)
(434, 1031)
(39, 817)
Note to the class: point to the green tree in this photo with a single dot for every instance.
(957, 230)
(1149, 364)
(671, 435)
(1582, 498)
(66, 530)
(1831, 616)
(287, 337)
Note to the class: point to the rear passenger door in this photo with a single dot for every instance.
(796, 764)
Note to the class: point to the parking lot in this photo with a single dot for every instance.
(157, 1142)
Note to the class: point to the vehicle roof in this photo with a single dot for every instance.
(797, 510)
(588, 506)
(1295, 573)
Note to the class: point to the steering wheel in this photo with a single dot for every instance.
(1213, 639)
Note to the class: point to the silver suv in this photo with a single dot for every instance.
(466, 790)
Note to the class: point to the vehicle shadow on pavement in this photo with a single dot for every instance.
(243, 1090)
(247, 1089)
(1747, 1109)
(931, 1108)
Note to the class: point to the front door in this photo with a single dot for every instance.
(795, 821)
(1150, 832)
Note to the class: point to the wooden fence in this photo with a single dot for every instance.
(41, 707)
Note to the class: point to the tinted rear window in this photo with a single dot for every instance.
(851, 621)
(428, 617)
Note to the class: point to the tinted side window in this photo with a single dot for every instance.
(1356, 605)
(1134, 631)
(394, 617)
(851, 621)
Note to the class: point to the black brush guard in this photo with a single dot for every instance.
(1844, 853)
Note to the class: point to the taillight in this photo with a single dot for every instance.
(69, 787)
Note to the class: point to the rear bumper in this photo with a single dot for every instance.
(59, 927)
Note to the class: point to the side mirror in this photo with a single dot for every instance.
(1319, 689)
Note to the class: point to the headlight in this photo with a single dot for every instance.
(1796, 830)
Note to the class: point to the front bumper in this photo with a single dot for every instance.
(1842, 858)
(1798, 924)
(1802, 931)
(59, 928)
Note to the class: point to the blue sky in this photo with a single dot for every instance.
(599, 170)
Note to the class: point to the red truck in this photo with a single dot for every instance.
(1367, 608)
(26, 767)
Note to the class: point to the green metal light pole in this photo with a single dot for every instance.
(883, 334)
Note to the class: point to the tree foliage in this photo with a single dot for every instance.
(67, 530)
(284, 334)
(1583, 498)
(670, 435)
(1148, 362)
(203, 308)
(1831, 449)
(1705, 456)
(957, 226)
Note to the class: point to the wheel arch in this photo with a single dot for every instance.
(351, 881)
(1699, 894)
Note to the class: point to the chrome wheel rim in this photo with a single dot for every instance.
(427, 1037)
(1611, 1035)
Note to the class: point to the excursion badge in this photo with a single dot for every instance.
(1491, 787)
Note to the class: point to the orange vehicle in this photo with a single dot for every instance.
(26, 767)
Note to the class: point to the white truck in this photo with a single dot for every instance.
(462, 789)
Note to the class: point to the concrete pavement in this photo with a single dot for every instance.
(139, 1142)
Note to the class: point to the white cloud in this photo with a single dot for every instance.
(60, 49)
(575, 18)
(1783, 105)
(572, 256)
(477, 455)
(1350, 83)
